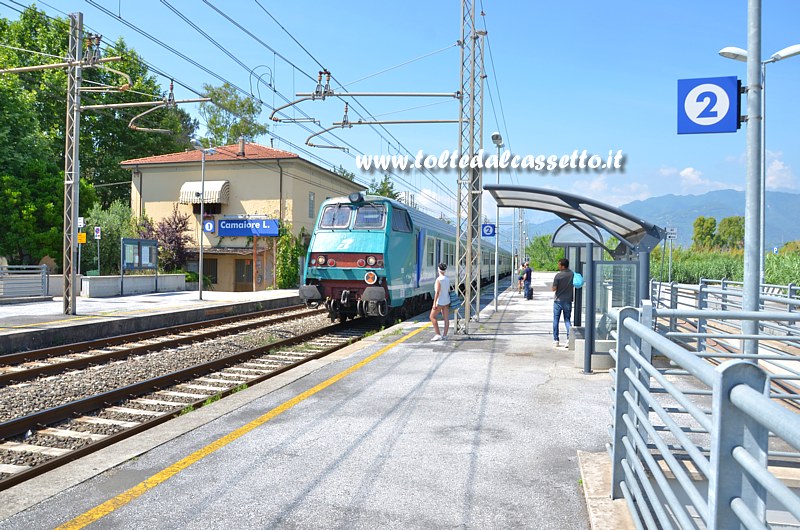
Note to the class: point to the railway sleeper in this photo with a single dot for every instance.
(19, 447)
(210, 388)
(66, 433)
(220, 381)
(106, 421)
(187, 395)
(13, 469)
(133, 412)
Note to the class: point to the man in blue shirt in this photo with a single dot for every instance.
(562, 287)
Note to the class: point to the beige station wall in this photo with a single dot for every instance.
(255, 189)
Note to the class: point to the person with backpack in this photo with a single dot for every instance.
(563, 289)
(526, 281)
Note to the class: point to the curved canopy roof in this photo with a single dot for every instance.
(633, 232)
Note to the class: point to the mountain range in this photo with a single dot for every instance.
(680, 211)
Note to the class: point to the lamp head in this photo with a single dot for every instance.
(497, 138)
(732, 52)
(785, 53)
(196, 143)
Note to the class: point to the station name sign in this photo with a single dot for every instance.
(248, 227)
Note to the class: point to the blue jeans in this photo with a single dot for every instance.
(526, 285)
(558, 308)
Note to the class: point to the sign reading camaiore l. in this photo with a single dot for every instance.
(247, 227)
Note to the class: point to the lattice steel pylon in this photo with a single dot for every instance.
(71, 163)
(470, 145)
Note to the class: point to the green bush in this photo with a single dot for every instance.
(690, 266)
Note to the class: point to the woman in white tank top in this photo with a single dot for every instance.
(441, 303)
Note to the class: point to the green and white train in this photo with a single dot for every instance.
(371, 256)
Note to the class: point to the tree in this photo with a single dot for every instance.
(730, 232)
(543, 256)
(384, 188)
(32, 110)
(115, 223)
(174, 239)
(289, 250)
(229, 115)
(704, 233)
(342, 172)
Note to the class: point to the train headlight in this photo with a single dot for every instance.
(370, 277)
(321, 260)
(331, 262)
(361, 262)
(371, 261)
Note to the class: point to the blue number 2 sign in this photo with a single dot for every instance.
(709, 105)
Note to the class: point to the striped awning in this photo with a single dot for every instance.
(216, 191)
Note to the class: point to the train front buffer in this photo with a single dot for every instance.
(348, 284)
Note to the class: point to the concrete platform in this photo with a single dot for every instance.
(42, 323)
(395, 431)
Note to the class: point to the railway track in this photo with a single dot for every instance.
(28, 365)
(39, 442)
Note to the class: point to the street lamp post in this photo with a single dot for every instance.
(738, 54)
(498, 141)
(210, 151)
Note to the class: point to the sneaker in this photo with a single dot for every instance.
(436, 337)
(555, 344)
(444, 337)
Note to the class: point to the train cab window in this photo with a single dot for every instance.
(401, 222)
(370, 216)
(335, 216)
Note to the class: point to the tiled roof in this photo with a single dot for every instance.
(227, 152)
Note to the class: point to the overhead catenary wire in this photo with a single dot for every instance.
(431, 176)
(433, 199)
(292, 145)
(176, 52)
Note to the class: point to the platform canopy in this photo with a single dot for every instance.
(636, 234)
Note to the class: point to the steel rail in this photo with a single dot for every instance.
(42, 353)
(58, 414)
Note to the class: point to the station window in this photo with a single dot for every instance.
(210, 269)
(312, 206)
(210, 208)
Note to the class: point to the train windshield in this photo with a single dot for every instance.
(335, 216)
(370, 216)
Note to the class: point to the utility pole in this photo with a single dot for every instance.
(470, 144)
(71, 162)
(74, 65)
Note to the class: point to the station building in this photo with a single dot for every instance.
(248, 189)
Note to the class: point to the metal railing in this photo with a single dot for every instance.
(23, 280)
(696, 445)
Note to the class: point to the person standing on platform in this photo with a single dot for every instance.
(563, 289)
(526, 281)
(441, 303)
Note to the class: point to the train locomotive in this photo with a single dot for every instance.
(372, 256)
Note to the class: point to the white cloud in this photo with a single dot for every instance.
(779, 175)
(599, 189)
(693, 182)
(668, 171)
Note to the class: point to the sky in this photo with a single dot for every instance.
(561, 76)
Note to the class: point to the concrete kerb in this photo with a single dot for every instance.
(604, 513)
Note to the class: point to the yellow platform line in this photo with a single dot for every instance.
(140, 489)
